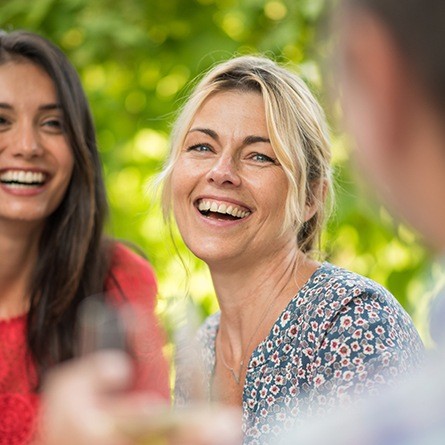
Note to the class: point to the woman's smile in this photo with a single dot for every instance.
(221, 209)
(23, 182)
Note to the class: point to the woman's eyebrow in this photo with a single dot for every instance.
(206, 131)
(255, 139)
(248, 140)
(54, 106)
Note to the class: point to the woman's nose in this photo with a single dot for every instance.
(224, 172)
(26, 142)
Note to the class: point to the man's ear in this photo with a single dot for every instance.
(381, 72)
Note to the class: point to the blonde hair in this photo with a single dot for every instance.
(297, 131)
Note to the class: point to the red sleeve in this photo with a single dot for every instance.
(131, 280)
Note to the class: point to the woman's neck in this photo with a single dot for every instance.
(18, 254)
(252, 297)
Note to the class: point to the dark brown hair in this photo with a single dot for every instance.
(73, 255)
(418, 28)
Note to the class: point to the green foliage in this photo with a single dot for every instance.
(136, 57)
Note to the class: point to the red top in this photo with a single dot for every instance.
(134, 281)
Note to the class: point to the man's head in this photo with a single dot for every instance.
(392, 68)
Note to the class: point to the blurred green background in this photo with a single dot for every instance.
(136, 58)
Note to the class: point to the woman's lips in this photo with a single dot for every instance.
(17, 178)
(220, 208)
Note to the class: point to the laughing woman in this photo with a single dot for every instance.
(247, 179)
(53, 252)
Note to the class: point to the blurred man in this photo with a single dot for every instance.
(392, 75)
(391, 67)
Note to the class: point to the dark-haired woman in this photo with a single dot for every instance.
(53, 253)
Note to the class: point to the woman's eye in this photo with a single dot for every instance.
(259, 157)
(53, 124)
(3, 121)
(199, 148)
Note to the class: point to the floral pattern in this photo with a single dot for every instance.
(340, 337)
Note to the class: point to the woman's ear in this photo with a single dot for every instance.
(319, 192)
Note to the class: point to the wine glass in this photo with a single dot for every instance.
(136, 414)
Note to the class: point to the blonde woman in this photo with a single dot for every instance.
(247, 179)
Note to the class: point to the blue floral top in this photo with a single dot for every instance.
(340, 337)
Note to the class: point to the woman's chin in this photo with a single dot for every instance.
(216, 257)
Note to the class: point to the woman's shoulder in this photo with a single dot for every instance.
(340, 296)
(204, 345)
(334, 292)
(125, 256)
(209, 328)
(129, 272)
(343, 312)
(336, 283)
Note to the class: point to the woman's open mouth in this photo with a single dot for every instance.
(22, 179)
(222, 211)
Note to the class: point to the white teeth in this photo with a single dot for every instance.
(212, 206)
(202, 206)
(22, 177)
